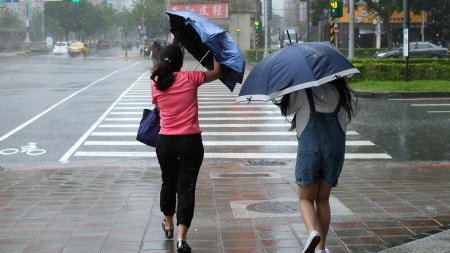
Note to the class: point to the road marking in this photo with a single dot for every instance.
(61, 102)
(430, 104)
(201, 107)
(209, 119)
(438, 111)
(208, 112)
(230, 155)
(203, 125)
(417, 99)
(68, 154)
(223, 143)
(216, 133)
(132, 103)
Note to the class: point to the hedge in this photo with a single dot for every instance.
(387, 69)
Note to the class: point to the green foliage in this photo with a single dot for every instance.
(9, 21)
(152, 14)
(395, 69)
(82, 18)
(250, 54)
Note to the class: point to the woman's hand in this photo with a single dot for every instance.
(214, 74)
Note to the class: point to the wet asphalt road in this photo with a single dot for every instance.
(53, 100)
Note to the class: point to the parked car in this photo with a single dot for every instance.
(78, 48)
(417, 50)
(61, 48)
(102, 44)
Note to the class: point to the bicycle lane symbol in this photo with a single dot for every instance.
(30, 149)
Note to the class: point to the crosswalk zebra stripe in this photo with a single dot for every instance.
(201, 107)
(208, 112)
(222, 143)
(215, 133)
(202, 126)
(210, 119)
(230, 155)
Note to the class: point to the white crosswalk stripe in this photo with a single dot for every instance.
(230, 130)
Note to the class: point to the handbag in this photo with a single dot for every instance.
(149, 127)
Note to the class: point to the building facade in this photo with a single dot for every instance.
(235, 16)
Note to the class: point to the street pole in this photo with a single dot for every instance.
(266, 28)
(27, 42)
(307, 19)
(406, 36)
(351, 30)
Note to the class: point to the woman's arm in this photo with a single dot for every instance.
(214, 74)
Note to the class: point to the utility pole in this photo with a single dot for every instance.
(406, 36)
(266, 28)
(351, 30)
(308, 6)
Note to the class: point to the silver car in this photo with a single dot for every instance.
(417, 50)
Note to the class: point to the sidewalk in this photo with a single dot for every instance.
(242, 206)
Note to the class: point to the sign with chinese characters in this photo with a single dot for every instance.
(214, 10)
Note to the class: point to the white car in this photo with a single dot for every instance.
(61, 47)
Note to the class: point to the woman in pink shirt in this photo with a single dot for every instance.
(179, 146)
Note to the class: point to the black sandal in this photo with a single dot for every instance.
(167, 232)
(183, 247)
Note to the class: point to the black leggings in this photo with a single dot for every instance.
(180, 158)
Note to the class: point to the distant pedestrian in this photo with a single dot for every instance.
(156, 49)
(321, 116)
(179, 145)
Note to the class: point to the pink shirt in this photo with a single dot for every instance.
(178, 105)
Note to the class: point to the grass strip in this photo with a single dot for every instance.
(418, 85)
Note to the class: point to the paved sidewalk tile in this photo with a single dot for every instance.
(240, 207)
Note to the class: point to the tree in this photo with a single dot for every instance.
(10, 21)
(438, 17)
(385, 9)
(151, 13)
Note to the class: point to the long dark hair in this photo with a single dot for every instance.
(170, 60)
(347, 97)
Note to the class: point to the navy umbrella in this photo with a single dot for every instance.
(294, 67)
(203, 39)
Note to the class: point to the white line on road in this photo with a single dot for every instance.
(216, 133)
(417, 99)
(203, 125)
(230, 155)
(223, 143)
(209, 119)
(208, 112)
(61, 102)
(438, 111)
(430, 104)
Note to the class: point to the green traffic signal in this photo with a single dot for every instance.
(336, 7)
(75, 1)
(256, 25)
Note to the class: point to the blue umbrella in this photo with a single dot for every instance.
(292, 68)
(202, 38)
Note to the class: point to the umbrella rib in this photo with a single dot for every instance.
(201, 59)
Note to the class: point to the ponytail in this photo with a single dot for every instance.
(170, 61)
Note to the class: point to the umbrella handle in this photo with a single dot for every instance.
(201, 59)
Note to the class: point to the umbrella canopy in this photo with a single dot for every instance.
(294, 67)
(201, 37)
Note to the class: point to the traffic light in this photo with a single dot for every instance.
(238, 31)
(256, 25)
(75, 1)
(336, 8)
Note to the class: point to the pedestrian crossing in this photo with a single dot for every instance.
(230, 130)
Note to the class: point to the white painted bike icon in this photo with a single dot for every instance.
(30, 149)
